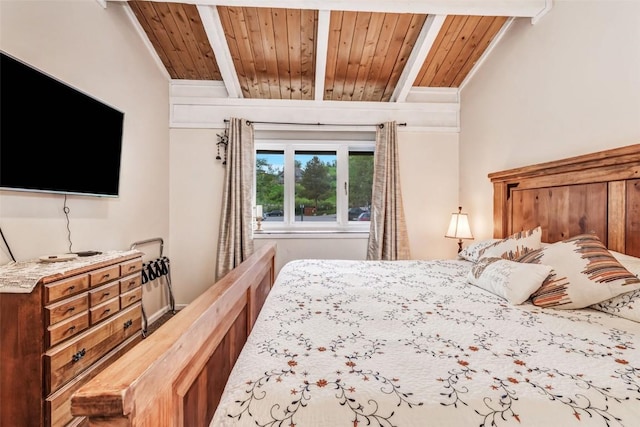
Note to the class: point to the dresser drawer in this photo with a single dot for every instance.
(59, 403)
(67, 308)
(68, 328)
(65, 288)
(104, 275)
(130, 282)
(104, 310)
(130, 297)
(129, 267)
(68, 359)
(103, 293)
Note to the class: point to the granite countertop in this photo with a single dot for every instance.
(23, 276)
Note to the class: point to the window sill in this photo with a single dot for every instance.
(311, 234)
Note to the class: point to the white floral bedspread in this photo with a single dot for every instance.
(410, 343)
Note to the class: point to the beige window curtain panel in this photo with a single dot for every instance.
(388, 237)
(235, 242)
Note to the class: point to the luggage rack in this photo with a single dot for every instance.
(154, 269)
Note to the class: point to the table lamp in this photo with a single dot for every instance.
(459, 227)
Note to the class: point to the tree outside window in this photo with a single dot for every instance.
(318, 188)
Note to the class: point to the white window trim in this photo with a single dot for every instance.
(342, 226)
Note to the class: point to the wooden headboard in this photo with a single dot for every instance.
(594, 193)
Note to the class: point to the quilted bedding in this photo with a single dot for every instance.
(411, 343)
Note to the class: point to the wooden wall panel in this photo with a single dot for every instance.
(617, 215)
(177, 34)
(632, 241)
(367, 52)
(562, 211)
(273, 50)
(476, 48)
(460, 43)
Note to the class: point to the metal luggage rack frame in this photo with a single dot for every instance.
(152, 270)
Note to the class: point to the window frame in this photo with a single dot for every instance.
(289, 225)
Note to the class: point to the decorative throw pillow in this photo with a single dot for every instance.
(515, 245)
(629, 262)
(625, 305)
(473, 251)
(584, 273)
(510, 280)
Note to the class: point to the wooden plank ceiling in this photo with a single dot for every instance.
(274, 51)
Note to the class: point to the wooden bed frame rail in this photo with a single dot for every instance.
(175, 377)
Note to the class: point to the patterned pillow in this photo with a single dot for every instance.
(625, 305)
(584, 273)
(629, 262)
(473, 251)
(513, 281)
(515, 245)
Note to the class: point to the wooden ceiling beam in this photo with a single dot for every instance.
(428, 34)
(322, 39)
(215, 33)
(515, 8)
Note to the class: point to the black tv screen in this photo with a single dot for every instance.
(54, 138)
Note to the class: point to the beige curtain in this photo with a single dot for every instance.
(235, 242)
(388, 238)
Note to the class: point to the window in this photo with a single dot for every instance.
(314, 186)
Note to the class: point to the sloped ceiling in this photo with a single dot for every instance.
(353, 51)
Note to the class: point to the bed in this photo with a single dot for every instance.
(412, 343)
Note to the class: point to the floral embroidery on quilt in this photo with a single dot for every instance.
(395, 344)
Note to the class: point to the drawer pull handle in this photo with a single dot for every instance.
(72, 287)
(106, 276)
(106, 311)
(106, 294)
(128, 323)
(79, 355)
(70, 309)
(71, 328)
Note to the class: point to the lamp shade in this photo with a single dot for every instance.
(459, 226)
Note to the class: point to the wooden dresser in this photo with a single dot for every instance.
(55, 338)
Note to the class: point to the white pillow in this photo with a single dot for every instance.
(513, 281)
(584, 273)
(515, 245)
(473, 251)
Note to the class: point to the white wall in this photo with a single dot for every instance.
(196, 194)
(97, 51)
(566, 86)
(429, 177)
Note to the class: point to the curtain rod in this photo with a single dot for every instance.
(380, 125)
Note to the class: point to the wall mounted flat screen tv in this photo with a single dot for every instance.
(54, 138)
